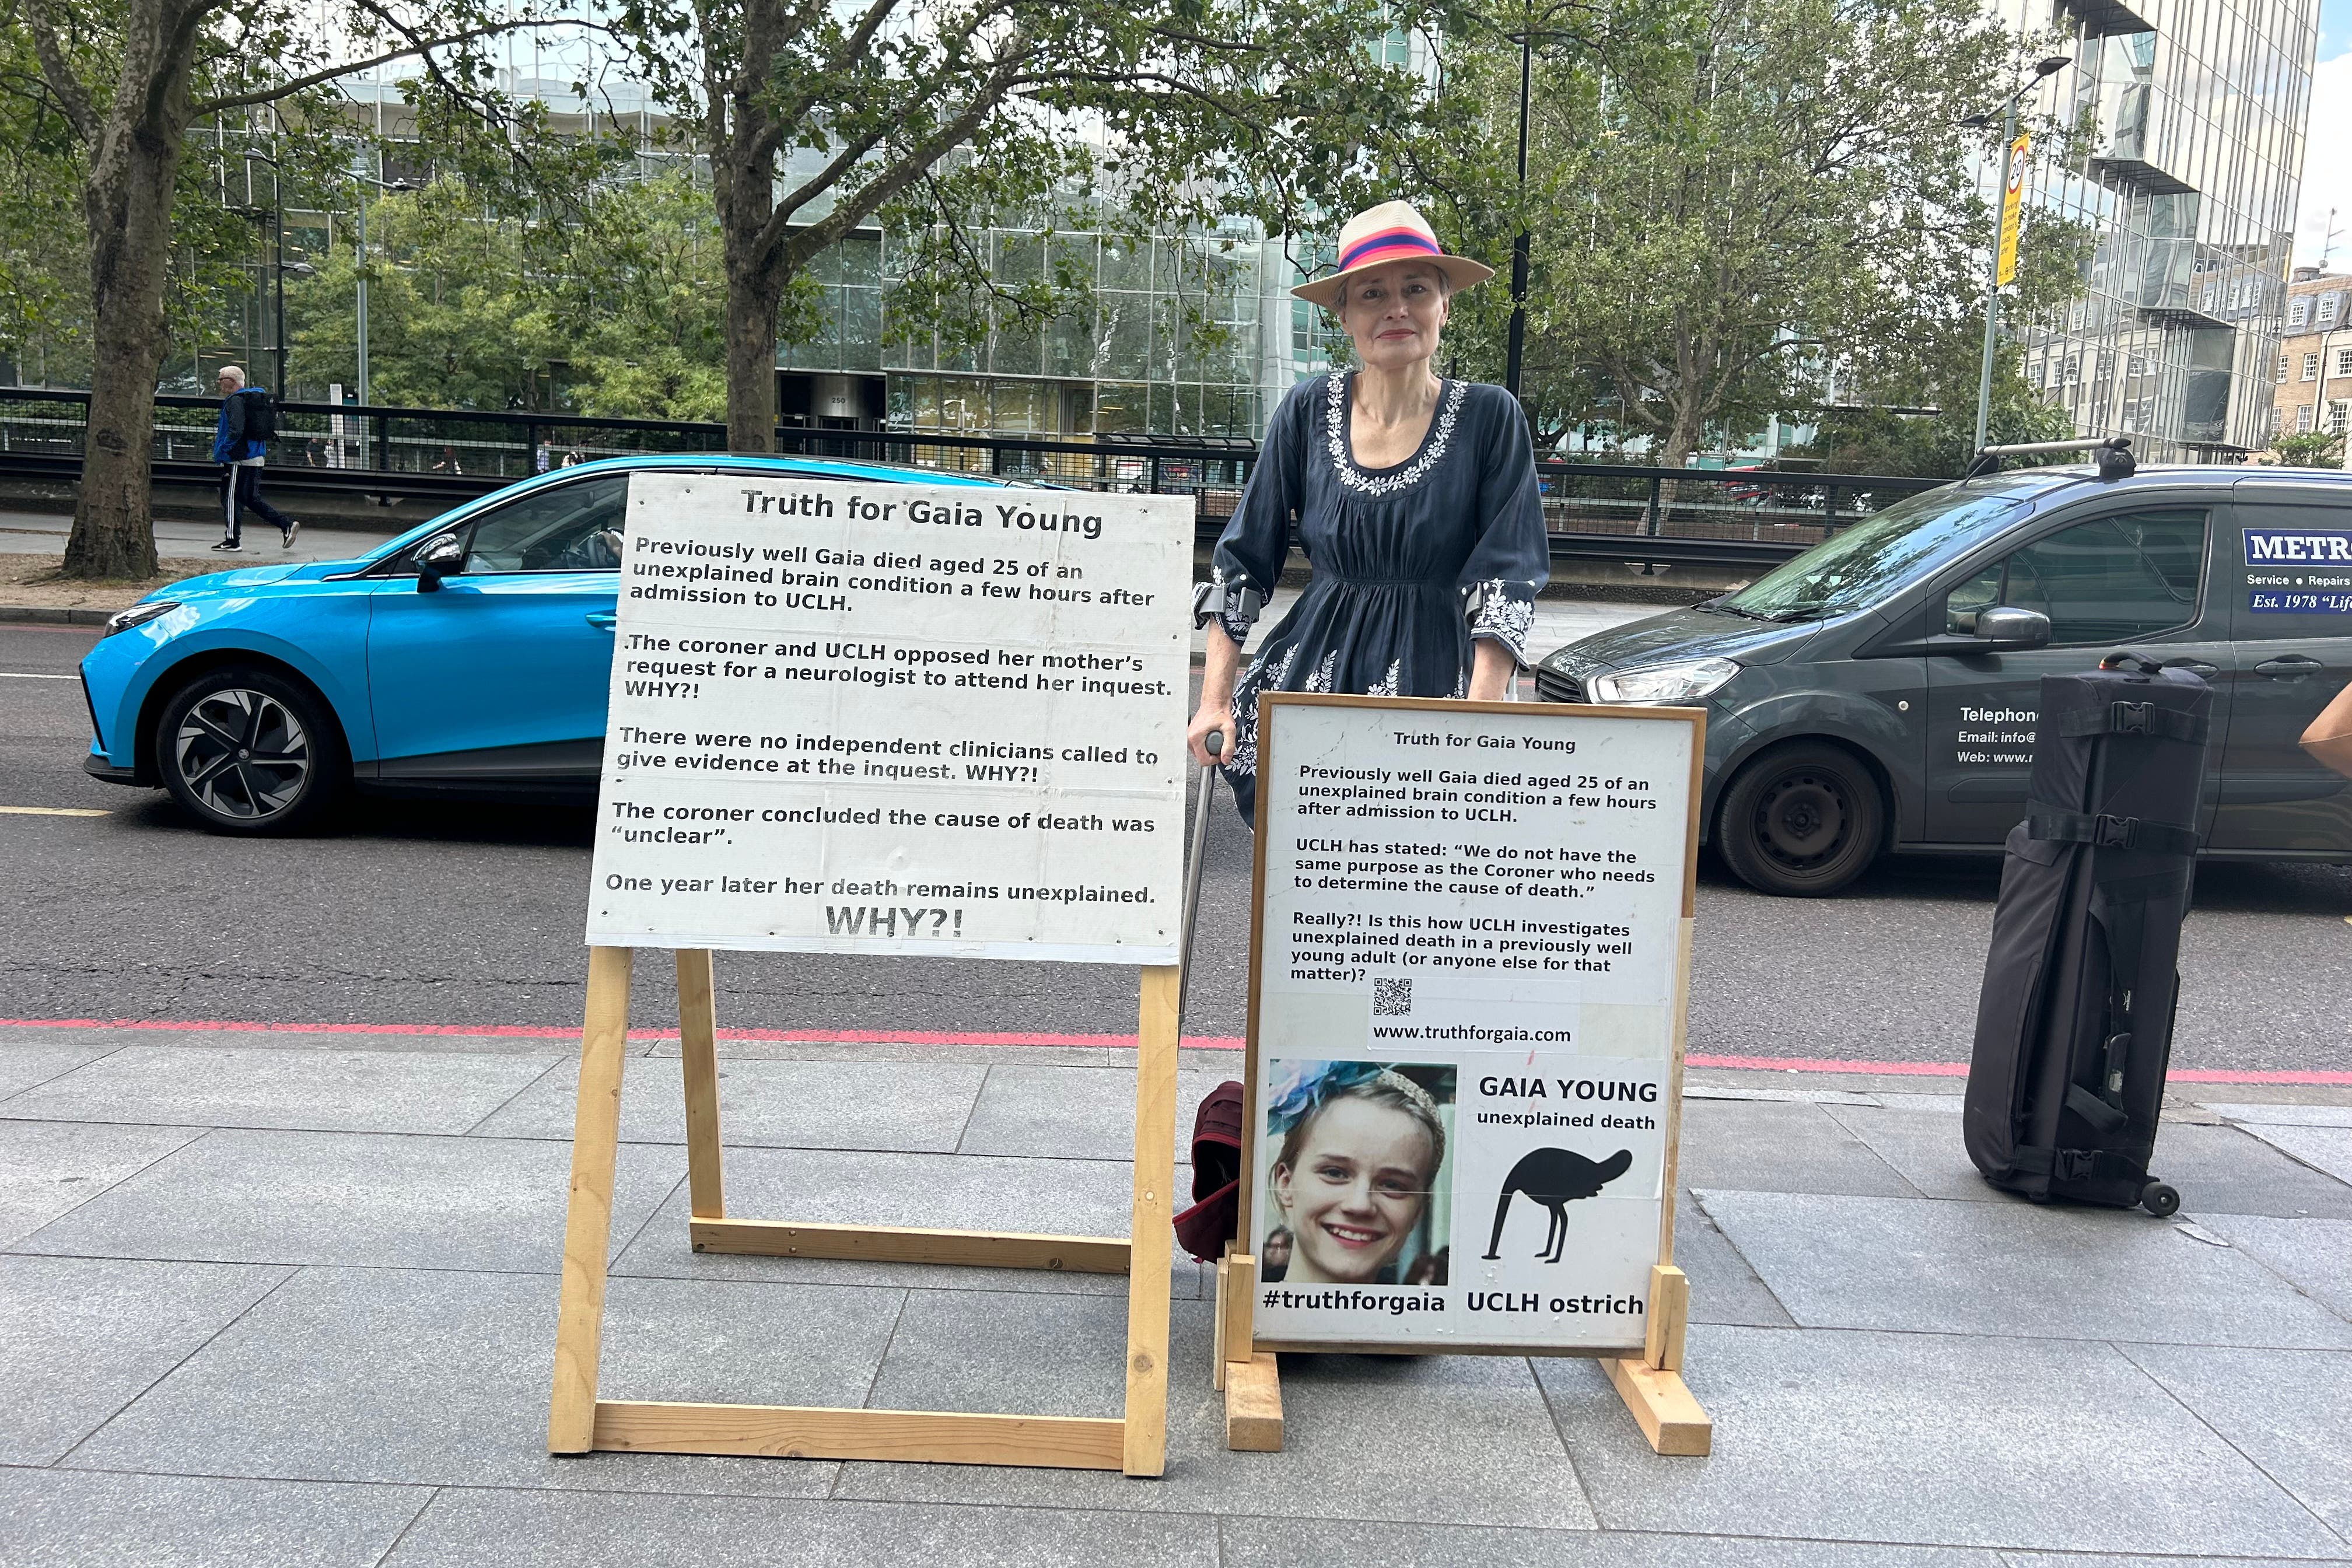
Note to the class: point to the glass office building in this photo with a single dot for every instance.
(1192, 337)
(2188, 192)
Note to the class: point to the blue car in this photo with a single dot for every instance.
(471, 655)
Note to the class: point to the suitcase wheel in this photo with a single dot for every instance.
(2159, 1200)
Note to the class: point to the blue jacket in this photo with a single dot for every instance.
(230, 444)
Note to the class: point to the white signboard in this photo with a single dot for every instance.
(1464, 1026)
(896, 719)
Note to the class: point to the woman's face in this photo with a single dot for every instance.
(1394, 314)
(1356, 1194)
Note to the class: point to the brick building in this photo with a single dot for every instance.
(2314, 374)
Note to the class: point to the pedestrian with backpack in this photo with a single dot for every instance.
(248, 418)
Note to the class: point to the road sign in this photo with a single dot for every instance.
(2012, 201)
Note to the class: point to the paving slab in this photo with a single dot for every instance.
(2284, 1115)
(352, 1197)
(1462, 1440)
(1929, 1440)
(66, 1518)
(1924, 1265)
(2216, 1169)
(2115, 1559)
(1016, 1354)
(2327, 1149)
(82, 1337)
(437, 1377)
(522, 1530)
(26, 1063)
(785, 1104)
(1779, 1146)
(1251, 1542)
(325, 1091)
(47, 1169)
(2314, 1254)
(1723, 1287)
(960, 1192)
(2285, 1410)
(1075, 1112)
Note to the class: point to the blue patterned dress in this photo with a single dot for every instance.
(1397, 553)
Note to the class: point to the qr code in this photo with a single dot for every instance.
(1391, 998)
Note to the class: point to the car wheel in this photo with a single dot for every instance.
(1801, 820)
(248, 752)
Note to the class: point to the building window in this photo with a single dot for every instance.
(2298, 313)
(2328, 305)
(2339, 415)
(2278, 419)
(2282, 370)
(2311, 367)
(2303, 418)
(2073, 369)
(2343, 361)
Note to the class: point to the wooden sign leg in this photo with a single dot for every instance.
(588, 1219)
(1146, 1447)
(1251, 1378)
(697, 1045)
(1652, 1387)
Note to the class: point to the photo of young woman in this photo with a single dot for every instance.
(1354, 1186)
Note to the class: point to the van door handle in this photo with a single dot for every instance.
(2196, 666)
(603, 620)
(2293, 667)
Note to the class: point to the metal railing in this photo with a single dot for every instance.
(1730, 518)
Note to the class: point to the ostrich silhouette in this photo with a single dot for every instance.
(1554, 1178)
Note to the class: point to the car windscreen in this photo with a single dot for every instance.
(1853, 570)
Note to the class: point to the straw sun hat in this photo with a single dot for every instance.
(1381, 236)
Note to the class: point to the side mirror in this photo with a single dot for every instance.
(443, 555)
(2010, 630)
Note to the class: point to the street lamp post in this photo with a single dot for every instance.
(359, 271)
(2042, 69)
(1516, 343)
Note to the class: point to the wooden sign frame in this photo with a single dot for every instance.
(1652, 1387)
(579, 1422)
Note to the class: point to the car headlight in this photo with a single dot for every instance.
(1686, 681)
(139, 615)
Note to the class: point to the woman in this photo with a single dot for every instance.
(1416, 497)
(1352, 1180)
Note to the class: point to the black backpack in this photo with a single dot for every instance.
(261, 414)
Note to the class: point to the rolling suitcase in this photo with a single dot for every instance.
(2074, 1022)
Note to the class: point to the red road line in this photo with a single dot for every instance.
(2312, 1078)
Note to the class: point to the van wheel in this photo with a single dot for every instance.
(1801, 820)
(247, 752)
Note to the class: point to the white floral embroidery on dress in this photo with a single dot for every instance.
(1335, 439)
(1504, 617)
(1386, 686)
(1242, 756)
(1321, 680)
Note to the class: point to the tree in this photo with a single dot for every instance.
(1735, 198)
(2310, 449)
(129, 77)
(607, 302)
(819, 118)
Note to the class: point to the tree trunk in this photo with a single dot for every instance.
(127, 203)
(753, 293)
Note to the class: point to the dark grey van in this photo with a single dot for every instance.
(1878, 692)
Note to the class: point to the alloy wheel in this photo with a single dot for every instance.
(242, 753)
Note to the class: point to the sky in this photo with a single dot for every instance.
(2326, 168)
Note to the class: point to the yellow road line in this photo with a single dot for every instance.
(51, 810)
